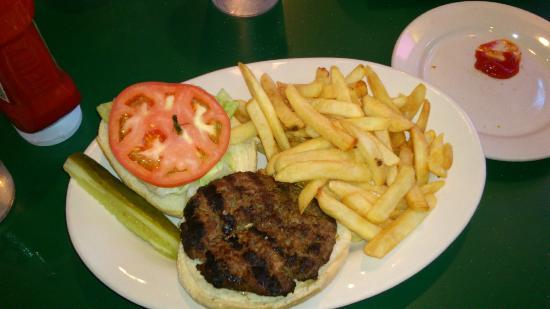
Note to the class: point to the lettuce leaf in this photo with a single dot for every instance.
(229, 105)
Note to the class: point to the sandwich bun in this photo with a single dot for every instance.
(207, 295)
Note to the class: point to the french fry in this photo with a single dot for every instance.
(414, 101)
(397, 139)
(388, 157)
(422, 121)
(336, 123)
(339, 83)
(357, 156)
(382, 153)
(301, 133)
(283, 111)
(406, 156)
(400, 100)
(373, 107)
(322, 75)
(415, 199)
(312, 144)
(432, 187)
(311, 90)
(318, 122)
(330, 154)
(420, 148)
(378, 89)
(329, 92)
(383, 207)
(394, 233)
(242, 132)
(354, 98)
(346, 216)
(370, 151)
(391, 174)
(358, 203)
(355, 238)
(374, 190)
(308, 193)
(431, 200)
(241, 114)
(360, 89)
(309, 170)
(399, 209)
(447, 156)
(384, 137)
(337, 108)
(311, 132)
(263, 128)
(356, 74)
(266, 106)
(391, 171)
(343, 188)
(401, 205)
(394, 215)
(370, 123)
(430, 136)
(436, 157)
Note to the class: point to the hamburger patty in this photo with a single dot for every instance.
(248, 234)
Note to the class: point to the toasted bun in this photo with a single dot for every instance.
(206, 294)
(171, 204)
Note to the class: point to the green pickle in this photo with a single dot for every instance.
(134, 212)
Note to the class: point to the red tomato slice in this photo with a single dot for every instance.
(167, 134)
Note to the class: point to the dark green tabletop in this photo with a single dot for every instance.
(500, 260)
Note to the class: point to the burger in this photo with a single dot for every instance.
(244, 244)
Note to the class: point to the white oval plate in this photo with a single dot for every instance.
(134, 270)
(512, 115)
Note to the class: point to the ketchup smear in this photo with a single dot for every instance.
(498, 59)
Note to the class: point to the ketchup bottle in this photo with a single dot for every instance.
(39, 99)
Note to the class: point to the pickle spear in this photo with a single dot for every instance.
(134, 212)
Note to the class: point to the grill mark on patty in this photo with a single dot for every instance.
(218, 272)
(193, 231)
(215, 199)
(228, 224)
(254, 178)
(314, 248)
(262, 275)
(234, 242)
(249, 236)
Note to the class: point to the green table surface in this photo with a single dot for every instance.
(501, 259)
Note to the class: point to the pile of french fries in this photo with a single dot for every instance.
(368, 158)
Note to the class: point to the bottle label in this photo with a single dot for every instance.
(3, 95)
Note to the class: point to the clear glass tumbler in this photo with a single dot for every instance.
(244, 8)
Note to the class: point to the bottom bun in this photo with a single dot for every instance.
(206, 294)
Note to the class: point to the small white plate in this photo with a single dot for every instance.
(134, 270)
(512, 115)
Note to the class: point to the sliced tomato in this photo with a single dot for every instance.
(167, 134)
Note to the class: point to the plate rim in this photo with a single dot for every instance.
(387, 284)
(493, 155)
